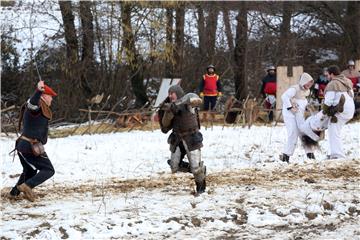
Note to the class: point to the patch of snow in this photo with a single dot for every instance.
(272, 209)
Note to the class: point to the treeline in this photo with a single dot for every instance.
(117, 47)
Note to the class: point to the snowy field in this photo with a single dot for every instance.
(119, 186)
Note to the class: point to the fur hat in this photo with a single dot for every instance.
(178, 90)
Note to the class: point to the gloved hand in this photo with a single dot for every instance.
(173, 108)
(195, 102)
(41, 86)
(333, 119)
(329, 110)
(170, 107)
(165, 106)
(332, 111)
(219, 95)
(293, 109)
(201, 94)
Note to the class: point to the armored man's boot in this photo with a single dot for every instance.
(200, 181)
(200, 187)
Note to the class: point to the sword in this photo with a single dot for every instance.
(37, 70)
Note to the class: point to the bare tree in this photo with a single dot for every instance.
(353, 27)
(169, 71)
(241, 86)
(100, 44)
(179, 40)
(118, 43)
(132, 57)
(70, 32)
(211, 25)
(207, 31)
(201, 32)
(229, 35)
(87, 53)
(70, 90)
(283, 51)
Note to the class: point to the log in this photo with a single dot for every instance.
(115, 113)
(8, 108)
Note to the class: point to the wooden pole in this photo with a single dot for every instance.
(357, 65)
(8, 108)
(284, 81)
(89, 116)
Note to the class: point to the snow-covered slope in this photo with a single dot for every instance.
(144, 153)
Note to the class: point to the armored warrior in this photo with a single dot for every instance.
(179, 113)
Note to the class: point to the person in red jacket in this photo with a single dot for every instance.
(268, 90)
(320, 85)
(210, 89)
(352, 74)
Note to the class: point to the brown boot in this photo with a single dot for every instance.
(12, 198)
(29, 195)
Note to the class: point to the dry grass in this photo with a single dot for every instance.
(151, 126)
(100, 128)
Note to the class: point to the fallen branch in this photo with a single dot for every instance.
(8, 108)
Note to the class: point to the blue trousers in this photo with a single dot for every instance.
(36, 170)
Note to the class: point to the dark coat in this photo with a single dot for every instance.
(35, 124)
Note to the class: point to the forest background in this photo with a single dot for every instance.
(123, 49)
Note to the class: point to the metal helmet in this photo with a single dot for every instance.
(351, 63)
(271, 68)
(210, 66)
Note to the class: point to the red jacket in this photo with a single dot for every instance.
(354, 81)
(210, 85)
(270, 88)
(322, 87)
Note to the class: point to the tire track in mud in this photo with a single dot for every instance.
(348, 171)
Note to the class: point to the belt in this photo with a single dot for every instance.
(191, 131)
(31, 140)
